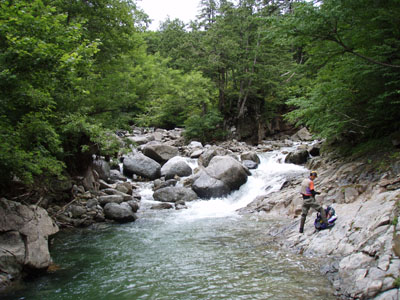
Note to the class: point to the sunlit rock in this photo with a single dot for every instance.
(223, 175)
(176, 166)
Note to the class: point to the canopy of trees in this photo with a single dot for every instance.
(350, 67)
(74, 71)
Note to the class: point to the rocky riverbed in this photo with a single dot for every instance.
(362, 250)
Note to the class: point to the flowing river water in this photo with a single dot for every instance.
(207, 251)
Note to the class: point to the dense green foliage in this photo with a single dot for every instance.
(43, 64)
(234, 47)
(352, 68)
(205, 128)
(73, 71)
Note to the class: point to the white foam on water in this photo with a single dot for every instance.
(269, 177)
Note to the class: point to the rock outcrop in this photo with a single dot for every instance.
(363, 247)
(24, 233)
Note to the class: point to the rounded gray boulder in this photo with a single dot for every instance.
(223, 175)
(174, 194)
(176, 166)
(298, 157)
(139, 164)
(119, 213)
(161, 153)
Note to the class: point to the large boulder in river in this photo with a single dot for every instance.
(24, 232)
(176, 166)
(139, 164)
(174, 194)
(207, 155)
(298, 157)
(161, 153)
(121, 213)
(222, 175)
(208, 187)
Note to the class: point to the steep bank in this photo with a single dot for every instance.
(362, 249)
(24, 233)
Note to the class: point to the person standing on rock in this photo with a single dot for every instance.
(308, 193)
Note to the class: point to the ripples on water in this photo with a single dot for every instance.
(205, 252)
(155, 258)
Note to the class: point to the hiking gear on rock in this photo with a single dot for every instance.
(308, 203)
(320, 224)
(313, 193)
(323, 216)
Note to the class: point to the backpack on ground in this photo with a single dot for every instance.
(330, 215)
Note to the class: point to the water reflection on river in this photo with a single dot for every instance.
(163, 257)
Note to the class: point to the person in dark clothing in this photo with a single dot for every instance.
(308, 193)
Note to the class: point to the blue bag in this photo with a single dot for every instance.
(330, 215)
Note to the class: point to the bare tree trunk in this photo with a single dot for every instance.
(221, 89)
(242, 105)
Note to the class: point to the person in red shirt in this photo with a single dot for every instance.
(308, 193)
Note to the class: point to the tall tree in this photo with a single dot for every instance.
(209, 12)
(174, 44)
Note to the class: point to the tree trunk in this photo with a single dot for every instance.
(221, 88)
(242, 103)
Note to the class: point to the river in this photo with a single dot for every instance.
(207, 251)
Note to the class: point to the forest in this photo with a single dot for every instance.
(74, 72)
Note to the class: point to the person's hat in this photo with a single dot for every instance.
(313, 173)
